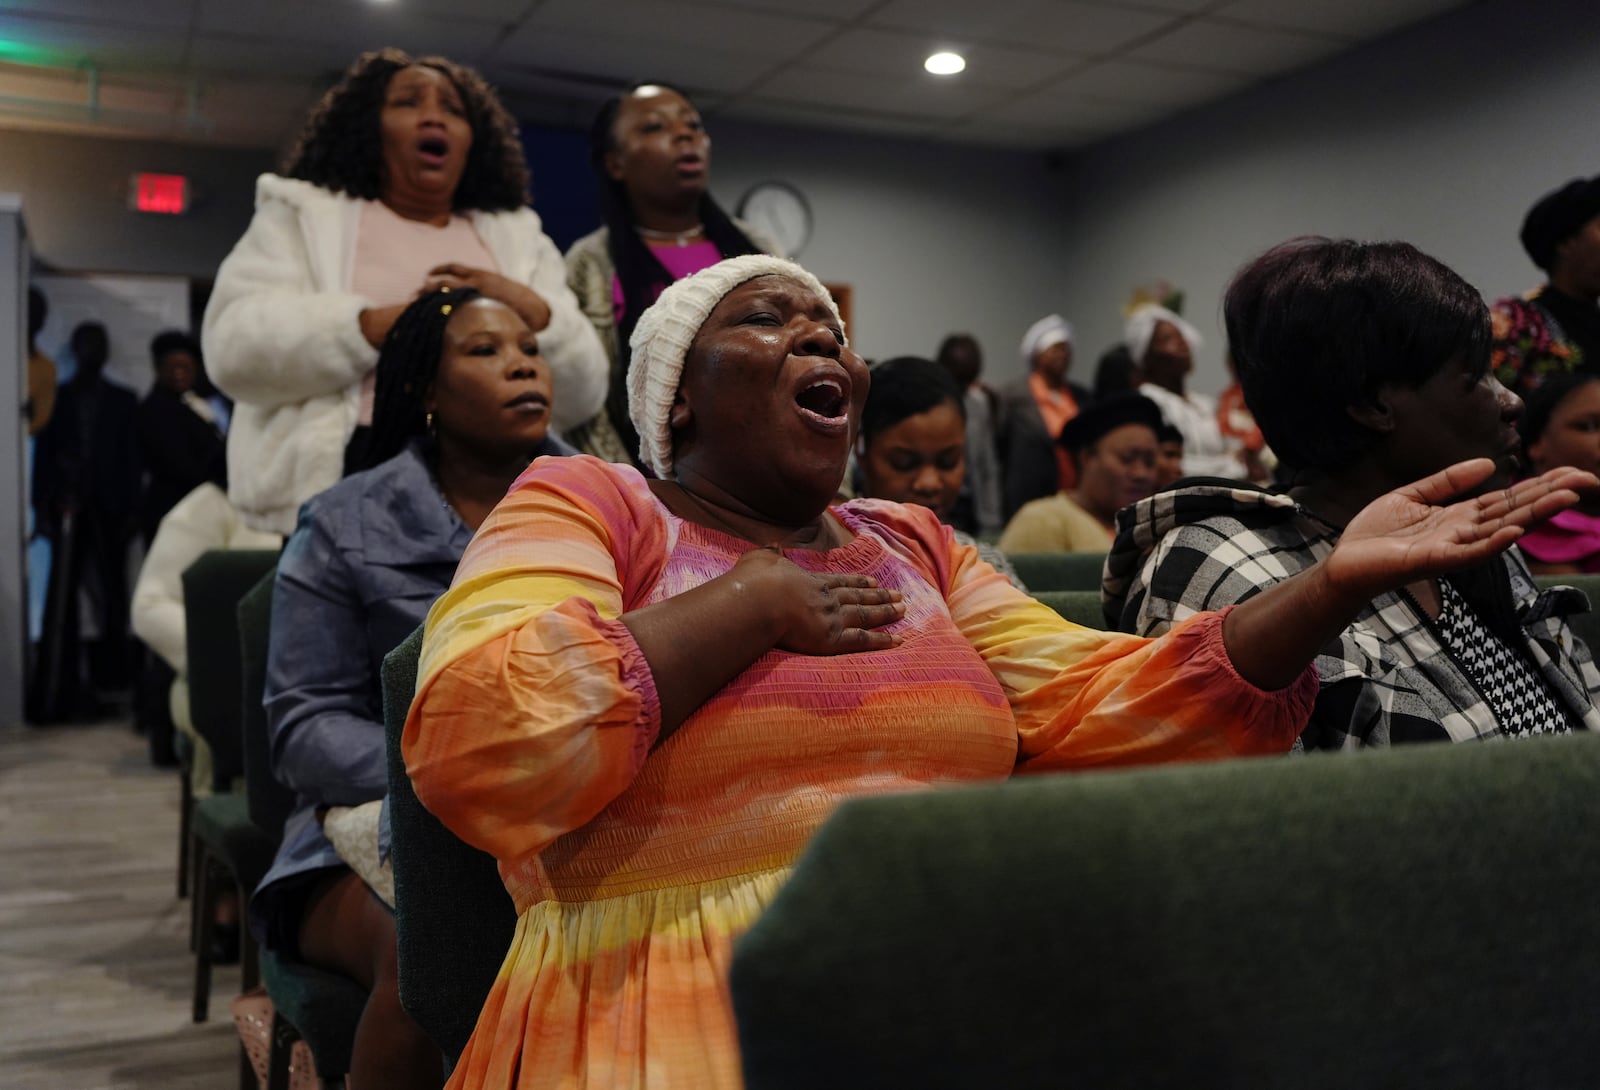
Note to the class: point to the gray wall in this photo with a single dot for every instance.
(933, 239)
(75, 190)
(1442, 135)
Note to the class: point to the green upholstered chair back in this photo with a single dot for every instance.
(1418, 917)
(1058, 571)
(454, 917)
(270, 802)
(212, 587)
(1078, 606)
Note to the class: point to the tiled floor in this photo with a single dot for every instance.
(93, 940)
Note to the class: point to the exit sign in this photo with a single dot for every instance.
(166, 194)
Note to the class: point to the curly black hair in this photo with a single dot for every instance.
(341, 146)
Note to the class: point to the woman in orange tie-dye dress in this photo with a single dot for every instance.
(643, 696)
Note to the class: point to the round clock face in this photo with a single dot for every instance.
(781, 211)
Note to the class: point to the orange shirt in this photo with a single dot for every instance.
(1057, 406)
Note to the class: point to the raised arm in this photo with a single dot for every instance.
(1410, 534)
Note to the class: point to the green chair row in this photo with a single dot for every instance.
(1329, 922)
(1058, 571)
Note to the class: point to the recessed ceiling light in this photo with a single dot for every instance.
(945, 64)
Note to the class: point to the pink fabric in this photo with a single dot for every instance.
(393, 256)
(681, 261)
(1571, 537)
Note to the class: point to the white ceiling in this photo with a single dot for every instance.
(1041, 74)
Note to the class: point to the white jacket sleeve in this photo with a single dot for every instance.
(200, 522)
(270, 336)
(579, 367)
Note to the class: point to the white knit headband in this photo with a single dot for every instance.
(662, 337)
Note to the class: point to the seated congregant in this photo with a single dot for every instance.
(463, 402)
(1114, 445)
(1164, 345)
(912, 443)
(1367, 365)
(1033, 410)
(1561, 427)
(643, 696)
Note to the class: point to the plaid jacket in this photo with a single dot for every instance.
(1388, 678)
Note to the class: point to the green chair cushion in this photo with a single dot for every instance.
(1058, 571)
(454, 917)
(1078, 606)
(322, 1007)
(1410, 918)
(222, 823)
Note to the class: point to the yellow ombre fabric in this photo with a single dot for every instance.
(634, 867)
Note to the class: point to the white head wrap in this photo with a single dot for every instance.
(1141, 329)
(1042, 334)
(664, 332)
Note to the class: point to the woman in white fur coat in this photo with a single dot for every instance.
(409, 176)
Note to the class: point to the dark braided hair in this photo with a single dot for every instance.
(638, 270)
(341, 146)
(407, 365)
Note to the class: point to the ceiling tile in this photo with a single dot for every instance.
(668, 23)
(785, 113)
(609, 62)
(1064, 25)
(891, 52)
(1227, 47)
(922, 95)
(322, 29)
(1131, 81)
(827, 9)
(150, 13)
(1055, 109)
(1016, 137)
(1349, 18)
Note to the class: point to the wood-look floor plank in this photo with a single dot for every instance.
(94, 945)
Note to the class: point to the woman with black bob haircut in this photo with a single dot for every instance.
(652, 161)
(463, 405)
(1366, 366)
(408, 177)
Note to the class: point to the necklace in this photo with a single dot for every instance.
(680, 237)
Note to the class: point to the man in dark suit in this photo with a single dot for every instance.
(178, 436)
(86, 476)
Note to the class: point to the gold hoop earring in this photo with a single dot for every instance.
(427, 421)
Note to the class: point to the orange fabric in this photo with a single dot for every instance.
(634, 868)
(1056, 407)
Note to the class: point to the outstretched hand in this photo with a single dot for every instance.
(1416, 533)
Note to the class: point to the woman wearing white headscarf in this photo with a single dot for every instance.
(1164, 345)
(1033, 410)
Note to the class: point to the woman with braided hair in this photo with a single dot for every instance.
(463, 403)
(652, 158)
(408, 176)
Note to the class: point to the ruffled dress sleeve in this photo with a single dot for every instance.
(535, 708)
(1084, 698)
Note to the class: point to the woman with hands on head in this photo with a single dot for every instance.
(643, 696)
(463, 403)
(408, 177)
